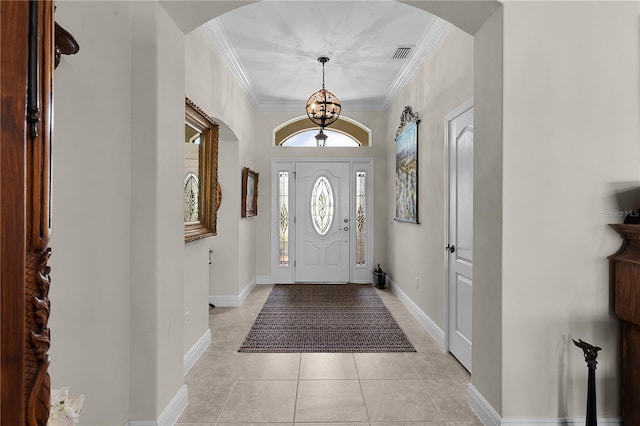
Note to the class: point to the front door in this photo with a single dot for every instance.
(460, 238)
(322, 222)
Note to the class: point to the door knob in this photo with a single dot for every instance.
(346, 228)
(450, 248)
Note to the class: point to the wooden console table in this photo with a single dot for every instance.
(625, 269)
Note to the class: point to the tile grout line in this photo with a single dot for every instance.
(414, 370)
(237, 379)
(231, 391)
(364, 400)
(295, 401)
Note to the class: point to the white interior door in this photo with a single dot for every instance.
(460, 238)
(322, 222)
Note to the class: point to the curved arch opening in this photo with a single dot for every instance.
(478, 19)
(345, 132)
(468, 16)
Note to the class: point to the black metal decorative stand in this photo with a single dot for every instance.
(590, 355)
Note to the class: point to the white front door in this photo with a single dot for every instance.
(460, 233)
(322, 222)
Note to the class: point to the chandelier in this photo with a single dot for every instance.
(323, 107)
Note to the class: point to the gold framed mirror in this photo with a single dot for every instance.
(200, 173)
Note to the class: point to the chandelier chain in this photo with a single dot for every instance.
(322, 75)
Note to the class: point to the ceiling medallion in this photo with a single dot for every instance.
(323, 107)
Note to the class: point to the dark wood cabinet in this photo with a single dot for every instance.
(26, 87)
(28, 54)
(625, 269)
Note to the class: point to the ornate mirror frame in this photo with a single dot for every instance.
(208, 173)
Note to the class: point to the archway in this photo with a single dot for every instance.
(359, 133)
(483, 20)
(152, 77)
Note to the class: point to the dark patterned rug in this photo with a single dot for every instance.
(325, 318)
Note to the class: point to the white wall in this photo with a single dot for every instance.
(570, 133)
(196, 291)
(265, 150)
(91, 212)
(170, 224)
(444, 82)
(157, 248)
(143, 292)
(487, 212)
(571, 130)
(225, 283)
(117, 215)
(211, 86)
(117, 190)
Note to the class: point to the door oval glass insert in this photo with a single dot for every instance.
(322, 203)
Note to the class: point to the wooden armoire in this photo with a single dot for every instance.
(625, 270)
(30, 45)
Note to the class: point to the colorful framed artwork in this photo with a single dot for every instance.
(407, 167)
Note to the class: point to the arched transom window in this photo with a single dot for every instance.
(301, 132)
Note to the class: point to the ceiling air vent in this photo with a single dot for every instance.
(402, 52)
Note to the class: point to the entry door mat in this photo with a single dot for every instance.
(325, 318)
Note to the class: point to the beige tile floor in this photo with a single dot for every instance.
(226, 387)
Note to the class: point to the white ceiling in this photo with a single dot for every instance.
(272, 48)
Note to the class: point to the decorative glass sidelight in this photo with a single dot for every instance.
(361, 218)
(322, 203)
(283, 208)
(191, 197)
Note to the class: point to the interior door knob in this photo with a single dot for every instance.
(346, 228)
(450, 248)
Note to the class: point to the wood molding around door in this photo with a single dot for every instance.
(27, 56)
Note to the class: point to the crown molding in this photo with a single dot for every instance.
(218, 35)
(425, 45)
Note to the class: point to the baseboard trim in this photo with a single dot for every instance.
(432, 328)
(480, 406)
(485, 412)
(232, 301)
(247, 289)
(224, 301)
(489, 417)
(196, 351)
(559, 421)
(176, 407)
(170, 414)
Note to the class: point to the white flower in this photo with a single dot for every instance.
(64, 410)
